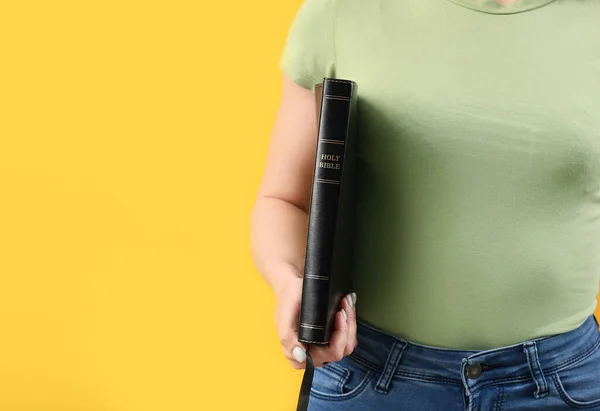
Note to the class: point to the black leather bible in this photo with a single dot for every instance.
(330, 235)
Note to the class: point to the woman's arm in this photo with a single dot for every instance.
(279, 224)
(280, 215)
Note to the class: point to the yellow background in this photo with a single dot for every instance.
(132, 141)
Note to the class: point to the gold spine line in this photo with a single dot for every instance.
(314, 327)
(322, 180)
(316, 277)
(330, 141)
(334, 97)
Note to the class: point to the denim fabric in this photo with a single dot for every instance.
(386, 373)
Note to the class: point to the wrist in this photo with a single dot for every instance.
(282, 277)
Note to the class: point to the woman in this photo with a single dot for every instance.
(478, 222)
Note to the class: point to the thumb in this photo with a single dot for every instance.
(299, 353)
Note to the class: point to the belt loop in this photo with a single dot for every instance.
(391, 364)
(533, 360)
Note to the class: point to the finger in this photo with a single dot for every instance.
(349, 307)
(297, 365)
(337, 345)
(287, 328)
(355, 319)
(293, 350)
(296, 355)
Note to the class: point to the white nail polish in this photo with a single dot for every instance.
(353, 298)
(299, 354)
(349, 300)
(344, 315)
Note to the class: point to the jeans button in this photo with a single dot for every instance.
(474, 371)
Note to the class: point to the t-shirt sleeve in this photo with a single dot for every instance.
(309, 51)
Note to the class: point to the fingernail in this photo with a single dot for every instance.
(349, 300)
(354, 298)
(344, 315)
(299, 354)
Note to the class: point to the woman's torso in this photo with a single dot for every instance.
(479, 166)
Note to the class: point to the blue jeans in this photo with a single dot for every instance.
(386, 373)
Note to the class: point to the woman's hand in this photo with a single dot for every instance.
(287, 311)
(280, 221)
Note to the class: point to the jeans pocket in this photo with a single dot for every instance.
(340, 380)
(579, 385)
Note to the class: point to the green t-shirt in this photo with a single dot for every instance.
(478, 161)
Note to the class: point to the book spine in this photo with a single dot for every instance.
(330, 160)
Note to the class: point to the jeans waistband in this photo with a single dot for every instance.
(393, 356)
